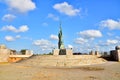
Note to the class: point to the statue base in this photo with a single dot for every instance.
(62, 52)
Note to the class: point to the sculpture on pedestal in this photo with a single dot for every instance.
(60, 42)
(61, 49)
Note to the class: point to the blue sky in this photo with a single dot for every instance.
(34, 24)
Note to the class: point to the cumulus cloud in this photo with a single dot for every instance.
(70, 46)
(112, 42)
(52, 16)
(80, 41)
(66, 9)
(44, 44)
(90, 34)
(18, 36)
(8, 17)
(41, 42)
(21, 6)
(22, 28)
(109, 42)
(53, 37)
(9, 38)
(110, 23)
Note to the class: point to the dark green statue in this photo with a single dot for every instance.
(60, 42)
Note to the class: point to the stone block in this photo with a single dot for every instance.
(62, 52)
(118, 55)
(115, 55)
(69, 52)
(56, 52)
(4, 55)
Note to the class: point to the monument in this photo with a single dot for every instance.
(4, 53)
(115, 54)
(8, 55)
(60, 42)
(61, 49)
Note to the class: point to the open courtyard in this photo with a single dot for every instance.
(24, 70)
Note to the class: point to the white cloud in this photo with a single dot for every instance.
(22, 28)
(9, 28)
(44, 44)
(52, 16)
(66, 9)
(80, 41)
(21, 6)
(18, 36)
(108, 43)
(9, 38)
(90, 34)
(8, 17)
(70, 46)
(112, 42)
(111, 24)
(41, 42)
(54, 37)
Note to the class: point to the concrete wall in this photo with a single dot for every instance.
(56, 52)
(21, 56)
(29, 52)
(118, 55)
(69, 52)
(95, 53)
(14, 59)
(4, 54)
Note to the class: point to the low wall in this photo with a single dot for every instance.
(64, 60)
(22, 56)
(16, 58)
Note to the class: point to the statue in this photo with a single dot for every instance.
(61, 49)
(60, 42)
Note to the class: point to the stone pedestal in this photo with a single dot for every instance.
(4, 55)
(118, 55)
(62, 52)
(92, 53)
(115, 55)
(56, 52)
(69, 52)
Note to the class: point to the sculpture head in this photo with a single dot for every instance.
(2, 46)
(117, 48)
